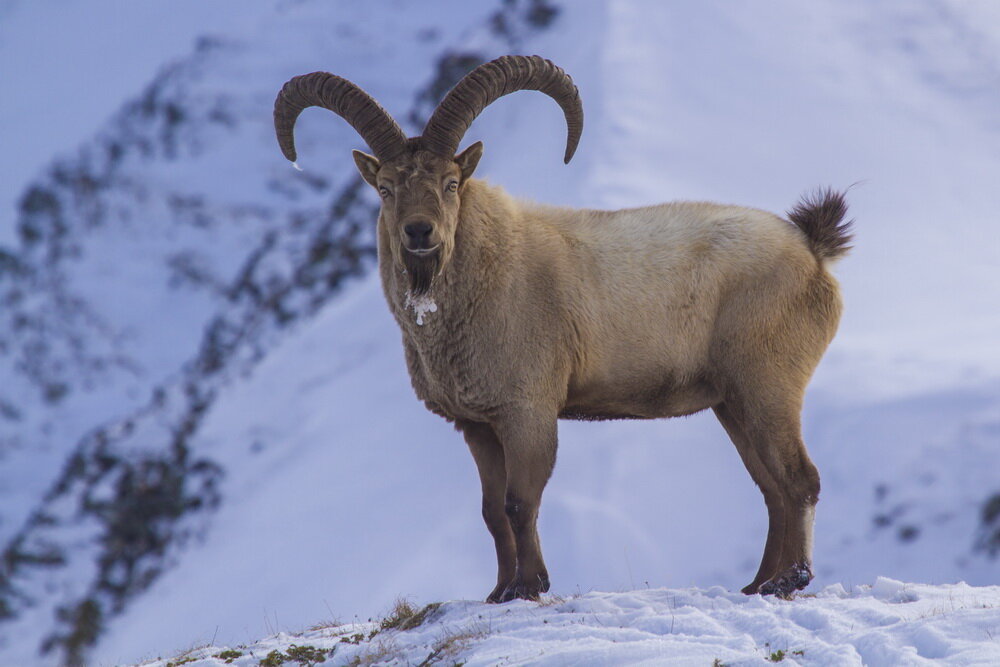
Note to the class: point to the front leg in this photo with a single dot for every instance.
(488, 453)
(529, 444)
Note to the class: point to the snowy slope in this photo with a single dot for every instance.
(334, 511)
(160, 261)
(72, 64)
(665, 503)
(338, 492)
(885, 624)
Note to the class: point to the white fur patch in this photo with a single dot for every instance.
(296, 165)
(421, 305)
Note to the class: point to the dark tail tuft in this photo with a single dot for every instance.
(821, 216)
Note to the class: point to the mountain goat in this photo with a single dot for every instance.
(514, 314)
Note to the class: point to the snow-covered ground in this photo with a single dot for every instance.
(341, 493)
(885, 624)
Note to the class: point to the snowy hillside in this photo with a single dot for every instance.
(885, 624)
(206, 429)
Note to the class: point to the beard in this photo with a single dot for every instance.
(421, 271)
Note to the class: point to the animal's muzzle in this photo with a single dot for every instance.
(418, 236)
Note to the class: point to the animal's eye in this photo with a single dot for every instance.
(452, 186)
(384, 192)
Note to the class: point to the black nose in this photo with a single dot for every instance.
(419, 233)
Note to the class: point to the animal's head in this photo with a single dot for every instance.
(421, 179)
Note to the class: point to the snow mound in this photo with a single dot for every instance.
(886, 623)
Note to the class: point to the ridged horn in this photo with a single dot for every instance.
(322, 89)
(491, 81)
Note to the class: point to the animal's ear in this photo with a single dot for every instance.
(368, 166)
(468, 159)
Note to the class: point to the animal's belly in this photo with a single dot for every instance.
(639, 400)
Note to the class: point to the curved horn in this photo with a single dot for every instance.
(322, 89)
(490, 81)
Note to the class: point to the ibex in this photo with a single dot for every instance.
(514, 314)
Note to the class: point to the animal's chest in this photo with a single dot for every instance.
(445, 362)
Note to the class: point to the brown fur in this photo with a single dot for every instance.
(821, 217)
(545, 312)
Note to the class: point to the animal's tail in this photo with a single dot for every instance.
(821, 217)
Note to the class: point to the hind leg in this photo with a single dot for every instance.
(769, 431)
(773, 499)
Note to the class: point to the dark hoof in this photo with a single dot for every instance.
(496, 595)
(785, 584)
(526, 590)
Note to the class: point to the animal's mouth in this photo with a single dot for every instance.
(423, 252)
(421, 265)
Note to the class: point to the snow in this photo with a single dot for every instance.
(64, 59)
(887, 623)
(341, 492)
(421, 305)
